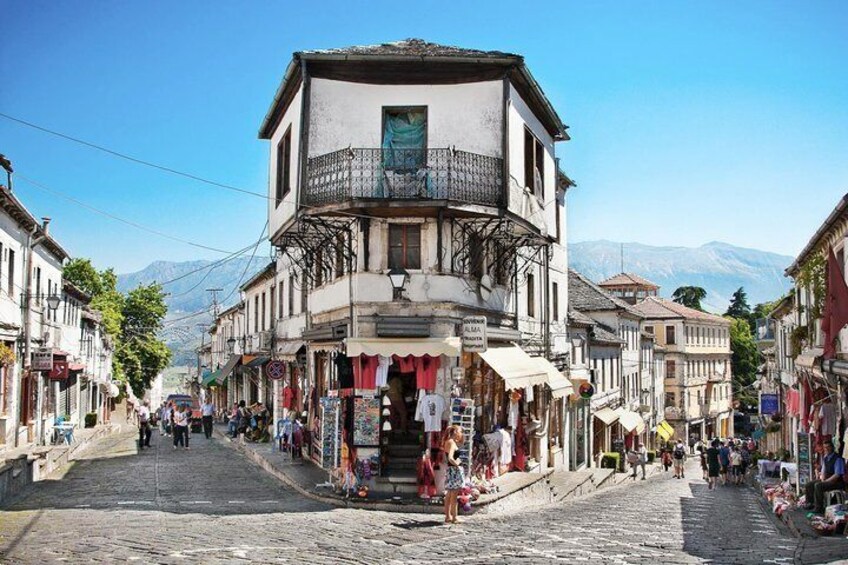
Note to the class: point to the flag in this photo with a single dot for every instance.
(835, 312)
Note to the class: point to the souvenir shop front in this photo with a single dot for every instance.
(377, 407)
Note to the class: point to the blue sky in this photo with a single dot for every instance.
(690, 122)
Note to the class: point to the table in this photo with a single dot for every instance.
(767, 467)
(791, 471)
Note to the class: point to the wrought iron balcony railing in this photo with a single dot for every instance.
(404, 174)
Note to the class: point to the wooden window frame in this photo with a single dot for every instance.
(555, 301)
(670, 331)
(534, 153)
(283, 176)
(404, 246)
(531, 295)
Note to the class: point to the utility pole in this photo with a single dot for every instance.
(215, 305)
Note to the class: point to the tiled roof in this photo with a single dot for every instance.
(412, 47)
(655, 307)
(627, 279)
(586, 296)
(577, 318)
(269, 271)
(605, 334)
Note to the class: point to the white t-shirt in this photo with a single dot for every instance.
(207, 409)
(430, 409)
(181, 418)
(143, 414)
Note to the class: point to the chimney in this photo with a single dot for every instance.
(45, 224)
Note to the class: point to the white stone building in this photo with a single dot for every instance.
(436, 165)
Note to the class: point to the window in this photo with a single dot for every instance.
(340, 249)
(670, 370)
(558, 221)
(555, 301)
(280, 300)
(11, 273)
(669, 400)
(262, 315)
(649, 329)
(669, 335)
(272, 308)
(304, 293)
(404, 246)
(284, 166)
(531, 295)
(534, 164)
(38, 285)
(319, 268)
(291, 296)
(256, 314)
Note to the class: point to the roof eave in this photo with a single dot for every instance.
(838, 211)
(266, 130)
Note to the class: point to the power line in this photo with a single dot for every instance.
(134, 159)
(247, 266)
(118, 218)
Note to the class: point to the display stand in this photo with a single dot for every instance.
(462, 415)
(329, 440)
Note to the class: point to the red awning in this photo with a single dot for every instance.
(76, 367)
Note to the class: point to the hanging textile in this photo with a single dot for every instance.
(404, 136)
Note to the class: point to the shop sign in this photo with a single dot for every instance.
(804, 459)
(769, 404)
(474, 334)
(457, 374)
(275, 370)
(42, 359)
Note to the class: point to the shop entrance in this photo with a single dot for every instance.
(402, 444)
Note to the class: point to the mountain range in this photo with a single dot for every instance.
(719, 268)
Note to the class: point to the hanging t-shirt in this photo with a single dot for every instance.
(383, 364)
(288, 398)
(405, 364)
(426, 368)
(365, 372)
(431, 408)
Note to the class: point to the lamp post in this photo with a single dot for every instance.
(398, 277)
(53, 302)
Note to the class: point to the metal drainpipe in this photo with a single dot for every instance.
(32, 242)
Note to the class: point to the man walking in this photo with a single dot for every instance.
(166, 419)
(831, 477)
(724, 460)
(180, 426)
(679, 457)
(207, 413)
(144, 430)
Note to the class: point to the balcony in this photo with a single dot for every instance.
(404, 174)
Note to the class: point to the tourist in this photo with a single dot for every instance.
(665, 456)
(712, 464)
(702, 455)
(167, 411)
(736, 465)
(724, 461)
(830, 478)
(143, 425)
(180, 426)
(454, 479)
(232, 424)
(207, 413)
(679, 456)
(643, 458)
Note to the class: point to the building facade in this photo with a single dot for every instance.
(415, 185)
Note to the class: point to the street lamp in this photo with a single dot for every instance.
(53, 302)
(398, 277)
(231, 345)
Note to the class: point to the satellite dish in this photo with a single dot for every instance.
(485, 287)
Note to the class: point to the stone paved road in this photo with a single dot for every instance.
(209, 505)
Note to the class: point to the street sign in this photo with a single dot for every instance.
(769, 404)
(474, 334)
(275, 370)
(42, 359)
(59, 371)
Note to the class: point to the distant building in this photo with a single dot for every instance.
(629, 287)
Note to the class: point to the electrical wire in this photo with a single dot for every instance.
(118, 218)
(247, 266)
(134, 159)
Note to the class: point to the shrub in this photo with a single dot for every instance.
(612, 460)
(91, 419)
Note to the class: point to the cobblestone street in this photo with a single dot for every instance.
(208, 504)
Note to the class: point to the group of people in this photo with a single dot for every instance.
(252, 422)
(726, 462)
(674, 457)
(638, 457)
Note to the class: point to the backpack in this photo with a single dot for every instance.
(679, 453)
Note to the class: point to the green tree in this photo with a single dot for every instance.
(739, 307)
(690, 296)
(744, 360)
(142, 355)
(109, 302)
(82, 274)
